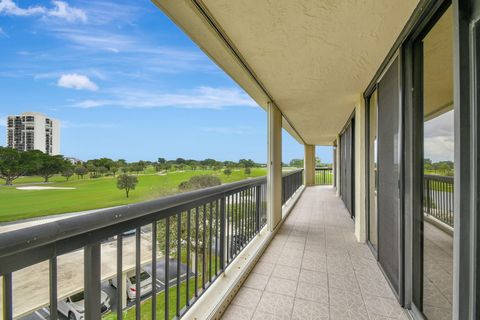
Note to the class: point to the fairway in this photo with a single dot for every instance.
(94, 193)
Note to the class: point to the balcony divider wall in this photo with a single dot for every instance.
(347, 166)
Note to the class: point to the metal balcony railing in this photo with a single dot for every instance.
(323, 176)
(438, 197)
(201, 231)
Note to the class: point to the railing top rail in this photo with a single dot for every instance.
(323, 168)
(35, 236)
(438, 177)
(86, 228)
(289, 173)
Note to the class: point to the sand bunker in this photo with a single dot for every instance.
(43, 188)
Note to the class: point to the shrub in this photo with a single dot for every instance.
(200, 182)
(248, 171)
(227, 172)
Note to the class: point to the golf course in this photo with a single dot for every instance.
(77, 194)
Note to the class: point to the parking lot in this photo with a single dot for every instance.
(44, 313)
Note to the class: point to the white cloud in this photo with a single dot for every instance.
(3, 33)
(199, 98)
(76, 81)
(10, 8)
(60, 10)
(64, 11)
(439, 137)
(3, 121)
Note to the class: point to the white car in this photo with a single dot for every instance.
(131, 283)
(73, 307)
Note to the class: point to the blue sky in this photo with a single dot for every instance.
(126, 83)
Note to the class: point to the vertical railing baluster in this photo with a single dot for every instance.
(257, 207)
(179, 262)
(167, 268)
(210, 225)
(7, 294)
(217, 209)
(92, 261)
(204, 245)
(228, 220)
(53, 288)
(223, 237)
(119, 275)
(154, 270)
(138, 294)
(197, 227)
(189, 217)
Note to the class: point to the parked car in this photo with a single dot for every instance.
(131, 283)
(73, 307)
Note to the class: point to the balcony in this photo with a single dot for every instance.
(314, 268)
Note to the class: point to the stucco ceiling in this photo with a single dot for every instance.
(438, 67)
(314, 59)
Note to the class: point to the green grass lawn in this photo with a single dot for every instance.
(146, 307)
(94, 193)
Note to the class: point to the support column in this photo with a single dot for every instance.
(337, 166)
(309, 165)
(360, 214)
(274, 165)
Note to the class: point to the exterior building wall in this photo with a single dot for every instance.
(309, 165)
(360, 212)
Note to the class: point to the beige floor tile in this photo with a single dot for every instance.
(281, 286)
(247, 297)
(256, 281)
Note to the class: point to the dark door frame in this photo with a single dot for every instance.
(413, 146)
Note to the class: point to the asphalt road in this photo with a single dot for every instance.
(44, 313)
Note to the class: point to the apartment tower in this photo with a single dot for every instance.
(33, 131)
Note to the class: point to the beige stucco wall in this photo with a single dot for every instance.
(337, 166)
(309, 165)
(274, 177)
(360, 214)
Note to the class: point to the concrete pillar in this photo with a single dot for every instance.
(274, 165)
(360, 214)
(337, 169)
(309, 165)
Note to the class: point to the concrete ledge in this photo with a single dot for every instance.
(439, 224)
(213, 303)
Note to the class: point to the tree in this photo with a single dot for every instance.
(80, 171)
(248, 171)
(246, 163)
(67, 173)
(126, 182)
(50, 165)
(13, 164)
(114, 170)
(199, 182)
(102, 170)
(227, 172)
(162, 160)
(297, 163)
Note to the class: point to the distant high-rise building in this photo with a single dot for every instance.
(33, 131)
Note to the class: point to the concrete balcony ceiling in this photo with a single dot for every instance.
(313, 59)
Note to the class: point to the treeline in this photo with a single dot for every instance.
(441, 167)
(14, 164)
(298, 163)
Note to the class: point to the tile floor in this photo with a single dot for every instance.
(438, 271)
(315, 269)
